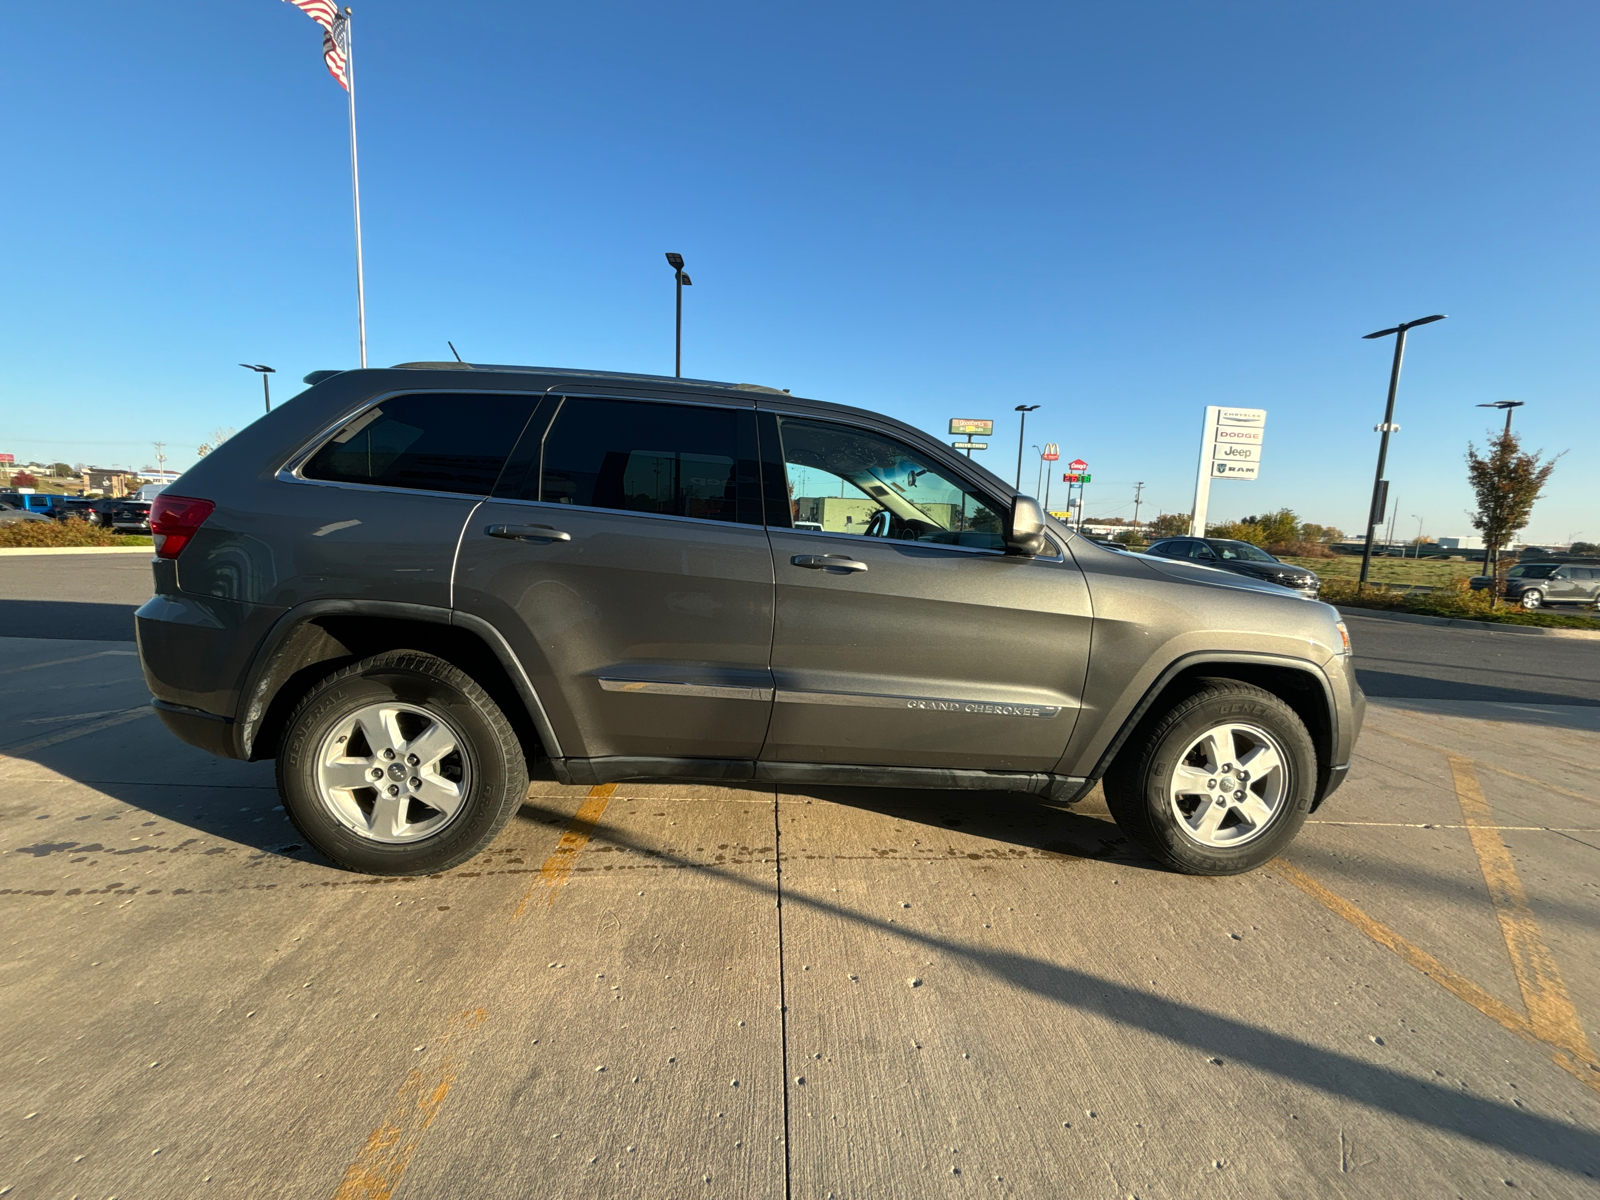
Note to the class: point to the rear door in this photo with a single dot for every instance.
(905, 635)
(623, 557)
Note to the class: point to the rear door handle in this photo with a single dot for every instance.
(530, 533)
(827, 562)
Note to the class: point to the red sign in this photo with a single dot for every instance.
(8, 458)
(1051, 452)
(1078, 464)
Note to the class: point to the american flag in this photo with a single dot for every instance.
(335, 35)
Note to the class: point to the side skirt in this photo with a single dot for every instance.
(1064, 789)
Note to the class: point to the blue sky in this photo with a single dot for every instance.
(1121, 213)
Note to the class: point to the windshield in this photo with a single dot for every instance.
(1537, 571)
(1241, 550)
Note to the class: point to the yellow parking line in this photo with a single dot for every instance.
(1550, 1009)
(547, 883)
(377, 1170)
(1453, 982)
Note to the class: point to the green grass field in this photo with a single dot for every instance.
(1401, 571)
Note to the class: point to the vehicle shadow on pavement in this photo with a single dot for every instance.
(1012, 819)
(1223, 1040)
(1390, 685)
(1365, 870)
(67, 620)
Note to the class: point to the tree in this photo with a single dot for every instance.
(1506, 480)
(1585, 548)
(218, 436)
(1169, 525)
(1128, 537)
(24, 479)
(61, 470)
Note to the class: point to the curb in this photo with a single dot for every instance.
(7, 551)
(1486, 626)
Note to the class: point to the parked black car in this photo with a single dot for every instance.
(1242, 559)
(1533, 585)
(130, 516)
(67, 507)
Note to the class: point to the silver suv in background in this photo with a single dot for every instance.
(1533, 585)
(407, 585)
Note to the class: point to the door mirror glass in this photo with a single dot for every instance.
(1026, 533)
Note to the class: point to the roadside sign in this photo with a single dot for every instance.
(970, 445)
(1077, 477)
(8, 459)
(1235, 470)
(1235, 452)
(1230, 448)
(1077, 464)
(971, 425)
(1051, 452)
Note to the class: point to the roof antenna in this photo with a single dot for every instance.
(454, 351)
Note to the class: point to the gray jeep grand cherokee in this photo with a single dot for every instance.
(406, 585)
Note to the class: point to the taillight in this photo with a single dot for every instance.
(176, 519)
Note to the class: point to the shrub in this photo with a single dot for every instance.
(71, 532)
(1456, 599)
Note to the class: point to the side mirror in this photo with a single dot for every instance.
(1026, 535)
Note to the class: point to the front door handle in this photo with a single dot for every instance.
(529, 533)
(828, 562)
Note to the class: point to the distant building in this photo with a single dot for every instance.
(113, 481)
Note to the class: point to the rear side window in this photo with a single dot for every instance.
(431, 441)
(676, 460)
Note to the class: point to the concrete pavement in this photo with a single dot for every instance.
(686, 991)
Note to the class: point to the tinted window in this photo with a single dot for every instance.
(439, 442)
(847, 480)
(1230, 550)
(677, 460)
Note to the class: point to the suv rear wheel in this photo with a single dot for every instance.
(1218, 784)
(400, 765)
(1532, 598)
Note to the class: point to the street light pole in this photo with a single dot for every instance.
(1492, 569)
(1022, 434)
(675, 261)
(1380, 486)
(266, 390)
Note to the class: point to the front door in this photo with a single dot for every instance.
(905, 635)
(623, 557)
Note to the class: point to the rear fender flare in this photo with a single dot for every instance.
(271, 667)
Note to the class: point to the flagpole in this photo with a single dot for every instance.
(355, 184)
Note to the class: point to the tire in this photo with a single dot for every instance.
(1260, 813)
(452, 770)
(1532, 598)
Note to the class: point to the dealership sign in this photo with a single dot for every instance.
(1230, 448)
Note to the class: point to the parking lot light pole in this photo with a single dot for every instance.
(1380, 487)
(1022, 433)
(1492, 569)
(266, 390)
(675, 261)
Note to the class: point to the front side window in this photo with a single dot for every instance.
(1232, 551)
(678, 460)
(435, 441)
(847, 480)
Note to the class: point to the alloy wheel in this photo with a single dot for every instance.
(393, 772)
(1229, 785)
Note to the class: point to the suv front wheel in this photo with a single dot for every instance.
(400, 765)
(1217, 785)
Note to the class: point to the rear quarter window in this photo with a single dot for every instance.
(434, 441)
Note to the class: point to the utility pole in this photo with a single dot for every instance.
(1138, 491)
(161, 457)
(1380, 485)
